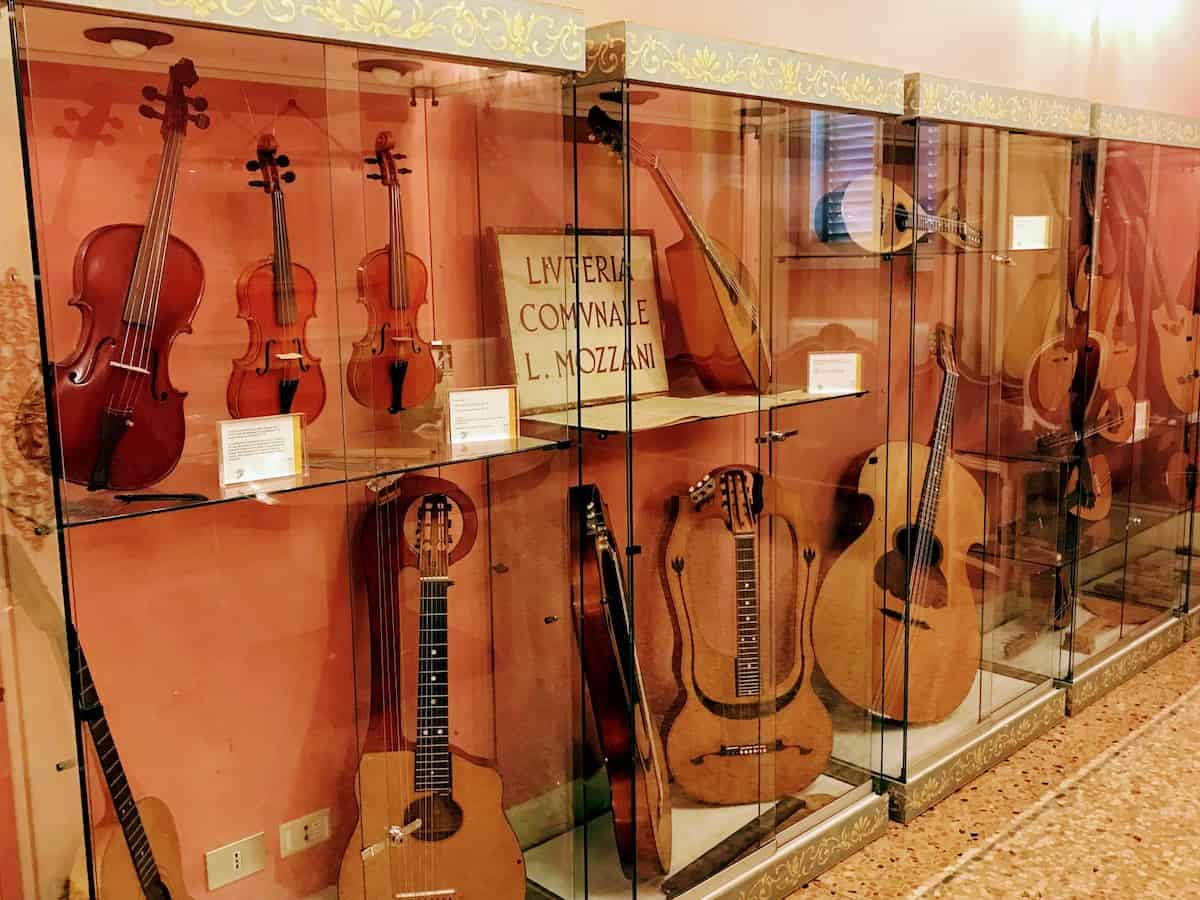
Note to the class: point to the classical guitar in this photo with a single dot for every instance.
(138, 854)
(737, 739)
(276, 298)
(718, 302)
(431, 825)
(392, 366)
(882, 217)
(633, 754)
(137, 287)
(896, 627)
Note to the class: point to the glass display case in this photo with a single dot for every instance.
(975, 588)
(271, 481)
(1139, 248)
(750, 328)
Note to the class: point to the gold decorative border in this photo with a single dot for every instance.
(910, 799)
(800, 861)
(625, 50)
(968, 102)
(1123, 123)
(1121, 666)
(509, 31)
(1191, 624)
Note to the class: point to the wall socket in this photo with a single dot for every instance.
(236, 861)
(304, 832)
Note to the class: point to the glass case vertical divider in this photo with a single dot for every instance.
(980, 416)
(1136, 582)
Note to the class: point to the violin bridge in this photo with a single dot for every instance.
(401, 339)
(121, 365)
(289, 356)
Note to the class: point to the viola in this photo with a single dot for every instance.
(718, 306)
(137, 288)
(276, 298)
(392, 366)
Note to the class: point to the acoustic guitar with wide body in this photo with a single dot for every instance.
(633, 753)
(898, 599)
(431, 821)
(135, 849)
(718, 301)
(742, 736)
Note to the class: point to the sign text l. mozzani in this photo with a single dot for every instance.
(539, 272)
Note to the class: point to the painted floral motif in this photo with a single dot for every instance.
(1093, 685)
(738, 68)
(960, 101)
(516, 32)
(1145, 126)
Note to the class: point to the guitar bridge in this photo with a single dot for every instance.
(428, 895)
(395, 834)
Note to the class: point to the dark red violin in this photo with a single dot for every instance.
(276, 297)
(137, 288)
(392, 366)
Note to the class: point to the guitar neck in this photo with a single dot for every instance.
(931, 489)
(433, 769)
(941, 224)
(748, 663)
(92, 712)
(285, 293)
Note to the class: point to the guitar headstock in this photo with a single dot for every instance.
(741, 504)
(609, 132)
(177, 105)
(942, 346)
(434, 536)
(596, 524)
(702, 491)
(270, 162)
(385, 158)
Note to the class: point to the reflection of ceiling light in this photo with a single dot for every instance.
(387, 71)
(129, 43)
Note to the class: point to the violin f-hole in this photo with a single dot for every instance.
(266, 366)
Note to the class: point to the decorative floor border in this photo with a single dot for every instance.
(803, 858)
(1126, 662)
(993, 744)
(1191, 624)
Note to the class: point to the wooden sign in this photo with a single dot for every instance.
(538, 276)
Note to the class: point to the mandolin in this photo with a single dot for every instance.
(276, 298)
(1096, 504)
(431, 824)
(137, 855)
(633, 754)
(898, 601)
(737, 739)
(137, 288)
(717, 299)
(392, 366)
(882, 217)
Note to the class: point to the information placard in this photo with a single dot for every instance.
(483, 415)
(261, 448)
(834, 373)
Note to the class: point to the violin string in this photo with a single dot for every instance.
(162, 239)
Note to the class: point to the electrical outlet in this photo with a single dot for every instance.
(236, 861)
(304, 832)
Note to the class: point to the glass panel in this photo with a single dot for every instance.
(990, 354)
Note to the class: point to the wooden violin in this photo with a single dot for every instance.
(633, 754)
(276, 298)
(717, 299)
(137, 288)
(736, 739)
(431, 824)
(912, 606)
(882, 217)
(392, 366)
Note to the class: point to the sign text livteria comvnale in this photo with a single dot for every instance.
(540, 274)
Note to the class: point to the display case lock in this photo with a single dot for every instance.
(774, 437)
(1003, 260)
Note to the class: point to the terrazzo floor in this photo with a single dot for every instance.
(1106, 805)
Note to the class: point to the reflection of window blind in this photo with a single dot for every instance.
(843, 149)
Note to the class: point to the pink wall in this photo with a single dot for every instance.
(1130, 53)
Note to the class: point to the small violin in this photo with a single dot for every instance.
(276, 298)
(392, 366)
(137, 287)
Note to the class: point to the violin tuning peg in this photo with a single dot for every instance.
(282, 161)
(375, 176)
(149, 112)
(252, 165)
(150, 92)
(257, 184)
(403, 171)
(200, 120)
(289, 177)
(371, 159)
(199, 104)
(399, 156)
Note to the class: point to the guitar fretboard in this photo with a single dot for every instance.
(136, 840)
(748, 670)
(433, 715)
(932, 487)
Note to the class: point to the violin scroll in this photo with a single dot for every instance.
(177, 105)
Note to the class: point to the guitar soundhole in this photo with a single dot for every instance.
(902, 223)
(158, 891)
(440, 817)
(892, 569)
